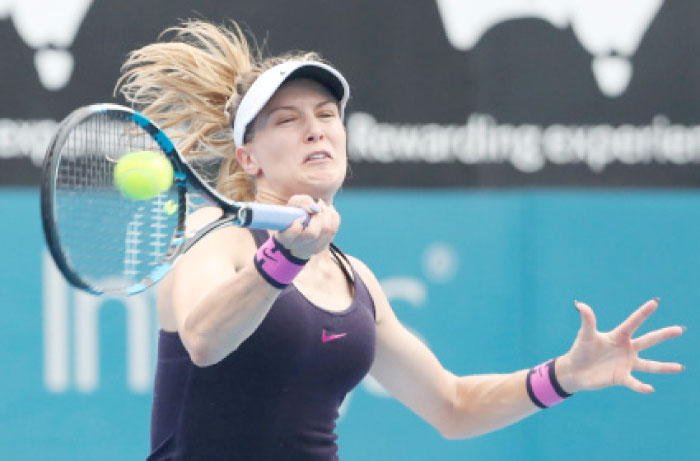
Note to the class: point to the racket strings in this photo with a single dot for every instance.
(160, 230)
(133, 236)
(132, 245)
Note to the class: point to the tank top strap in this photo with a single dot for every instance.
(362, 294)
(338, 254)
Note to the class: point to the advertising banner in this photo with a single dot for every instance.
(457, 93)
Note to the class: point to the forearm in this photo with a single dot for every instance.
(226, 316)
(484, 403)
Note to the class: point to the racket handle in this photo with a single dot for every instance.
(274, 217)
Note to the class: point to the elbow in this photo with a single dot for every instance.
(200, 353)
(199, 349)
(457, 435)
(455, 423)
(205, 351)
(448, 434)
(448, 427)
(453, 432)
(447, 423)
(198, 343)
(201, 360)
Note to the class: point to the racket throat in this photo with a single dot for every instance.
(244, 216)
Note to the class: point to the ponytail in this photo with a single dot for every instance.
(191, 83)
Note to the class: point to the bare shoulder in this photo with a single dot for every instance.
(228, 243)
(201, 217)
(361, 268)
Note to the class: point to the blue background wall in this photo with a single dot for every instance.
(487, 279)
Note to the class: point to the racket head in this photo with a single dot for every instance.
(102, 241)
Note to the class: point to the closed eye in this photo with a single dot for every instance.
(328, 109)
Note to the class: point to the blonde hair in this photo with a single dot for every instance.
(191, 83)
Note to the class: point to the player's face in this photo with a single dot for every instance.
(299, 142)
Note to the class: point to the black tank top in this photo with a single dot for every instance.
(277, 396)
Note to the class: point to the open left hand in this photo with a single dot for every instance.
(601, 359)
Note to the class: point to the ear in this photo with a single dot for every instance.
(247, 161)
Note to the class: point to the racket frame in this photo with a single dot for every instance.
(185, 179)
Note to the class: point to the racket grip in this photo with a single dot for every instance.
(274, 217)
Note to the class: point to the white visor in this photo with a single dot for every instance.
(269, 82)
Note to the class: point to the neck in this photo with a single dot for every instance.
(271, 198)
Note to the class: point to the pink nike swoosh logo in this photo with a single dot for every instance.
(325, 337)
(268, 255)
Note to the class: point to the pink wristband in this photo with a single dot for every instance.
(542, 386)
(276, 264)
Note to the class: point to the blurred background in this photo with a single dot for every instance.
(507, 158)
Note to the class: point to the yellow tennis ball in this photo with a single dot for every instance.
(143, 174)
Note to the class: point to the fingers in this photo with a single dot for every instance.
(306, 239)
(588, 321)
(314, 226)
(652, 366)
(637, 386)
(328, 221)
(630, 325)
(304, 201)
(655, 337)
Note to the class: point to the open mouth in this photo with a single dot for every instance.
(317, 155)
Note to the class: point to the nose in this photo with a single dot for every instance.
(314, 136)
(314, 131)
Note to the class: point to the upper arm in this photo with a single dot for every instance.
(404, 365)
(212, 261)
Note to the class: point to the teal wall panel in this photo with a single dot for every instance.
(485, 278)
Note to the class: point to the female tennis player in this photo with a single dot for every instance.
(263, 334)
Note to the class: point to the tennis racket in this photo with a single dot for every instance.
(104, 242)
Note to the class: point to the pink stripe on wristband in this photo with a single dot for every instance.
(276, 264)
(542, 386)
